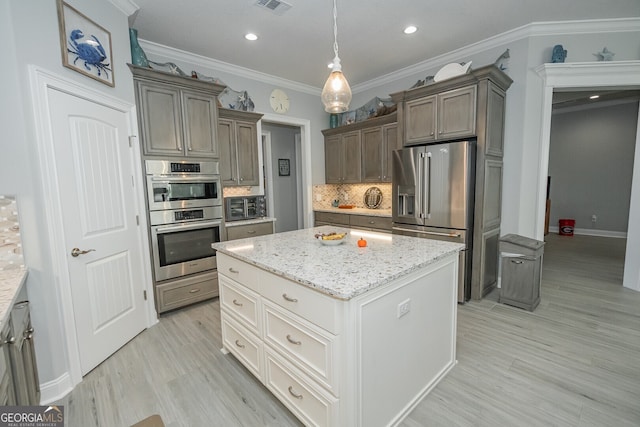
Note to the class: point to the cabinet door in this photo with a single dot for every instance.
(372, 155)
(333, 159)
(352, 152)
(249, 230)
(227, 146)
(199, 118)
(247, 153)
(457, 113)
(390, 142)
(420, 120)
(7, 388)
(159, 111)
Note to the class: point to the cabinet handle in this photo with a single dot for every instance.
(231, 270)
(294, 394)
(288, 298)
(11, 340)
(193, 291)
(440, 132)
(238, 344)
(516, 261)
(241, 179)
(431, 134)
(239, 304)
(372, 222)
(251, 231)
(292, 341)
(189, 147)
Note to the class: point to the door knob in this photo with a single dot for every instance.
(75, 252)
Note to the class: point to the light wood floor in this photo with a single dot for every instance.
(574, 361)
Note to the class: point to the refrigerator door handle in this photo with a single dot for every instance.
(428, 176)
(433, 233)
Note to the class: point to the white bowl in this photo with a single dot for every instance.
(332, 242)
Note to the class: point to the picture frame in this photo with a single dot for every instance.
(85, 46)
(284, 167)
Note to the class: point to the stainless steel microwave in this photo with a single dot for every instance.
(245, 207)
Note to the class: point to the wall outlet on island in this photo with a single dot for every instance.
(404, 307)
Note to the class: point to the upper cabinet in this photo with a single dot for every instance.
(360, 152)
(238, 137)
(177, 115)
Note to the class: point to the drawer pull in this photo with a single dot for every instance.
(11, 340)
(288, 298)
(235, 302)
(193, 291)
(516, 261)
(231, 270)
(238, 344)
(251, 231)
(292, 341)
(294, 394)
(372, 222)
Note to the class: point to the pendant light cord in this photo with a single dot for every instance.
(335, 28)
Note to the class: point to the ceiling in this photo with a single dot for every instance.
(297, 45)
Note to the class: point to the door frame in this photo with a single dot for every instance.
(41, 81)
(304, 166)
(614, 74)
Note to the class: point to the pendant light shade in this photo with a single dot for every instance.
(336, 93)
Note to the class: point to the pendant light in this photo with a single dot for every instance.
(336, 93)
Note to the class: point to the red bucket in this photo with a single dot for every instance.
(566, 226)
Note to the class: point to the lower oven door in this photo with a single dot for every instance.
(183, 249)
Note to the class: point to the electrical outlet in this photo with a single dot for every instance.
(594, 218)
(404, 307)
(318, 197)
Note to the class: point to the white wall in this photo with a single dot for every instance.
(29, 35)
(591, 165)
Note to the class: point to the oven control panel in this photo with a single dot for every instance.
(188, 215)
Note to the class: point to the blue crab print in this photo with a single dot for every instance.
(89, 51)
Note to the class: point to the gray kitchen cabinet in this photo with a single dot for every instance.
(365, 222)
(468, 106)
(177, 115)
(360, 152)
(185, 291)
(238, 137)
(7, 387)
(249, 230)
(443, 116)
(22, 355)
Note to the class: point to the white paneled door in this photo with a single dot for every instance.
(94, 165)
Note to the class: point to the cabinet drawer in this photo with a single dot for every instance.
(186, 291)
(375, 222)
(241, 303)
(250, 230)
(310, 347)
(239, 271)
(246, 347)
(298, 393)
(317, 308)
(332, 218)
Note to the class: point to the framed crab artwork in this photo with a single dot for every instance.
(85, 45)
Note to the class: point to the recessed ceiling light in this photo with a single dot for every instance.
(410, 29)
(251, 36)
(594, 97)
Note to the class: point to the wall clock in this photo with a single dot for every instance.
(279, 101)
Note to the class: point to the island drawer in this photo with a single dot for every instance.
(242, 344)
(300, 394)
(332, 218)
(241, 303)
(374, 222)
(186, 291)
(237, 270)
(317, 308)
(308, 346)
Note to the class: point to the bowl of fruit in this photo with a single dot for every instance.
(331, 239)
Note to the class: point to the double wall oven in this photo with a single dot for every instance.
(185, 216)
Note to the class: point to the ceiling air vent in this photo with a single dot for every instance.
(276, 6)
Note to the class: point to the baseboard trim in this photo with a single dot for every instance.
(591, 232)
(55, 390)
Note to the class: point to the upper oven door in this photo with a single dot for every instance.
(180, 192)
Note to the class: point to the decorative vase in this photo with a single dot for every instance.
(333, 121)
(559, 54)
(138, 56)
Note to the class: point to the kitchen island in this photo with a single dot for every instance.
(342, 335)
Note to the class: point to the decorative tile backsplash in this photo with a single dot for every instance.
(348, 194)
(10, 244)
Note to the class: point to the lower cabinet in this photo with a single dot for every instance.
(19, 384)
(249, 230)
(185, 291)
(366, 222)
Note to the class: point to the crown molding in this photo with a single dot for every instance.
(125, 6)
(210, 63)
(535, 29)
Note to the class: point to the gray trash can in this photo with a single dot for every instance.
(521, 268)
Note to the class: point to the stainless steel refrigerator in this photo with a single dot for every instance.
(433, 197)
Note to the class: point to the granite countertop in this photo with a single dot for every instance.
(11, 282)
(344, 271)
(358, 211)
(249, 221)
(13, 273)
